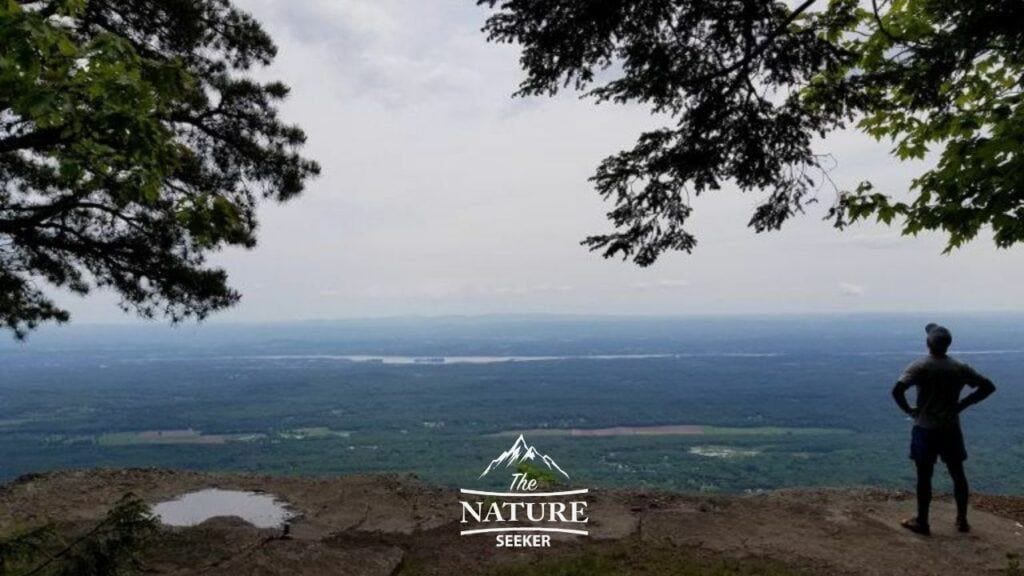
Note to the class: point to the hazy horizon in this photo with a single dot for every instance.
(223, 320)
(451, 334)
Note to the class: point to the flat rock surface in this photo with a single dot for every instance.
(383, 524)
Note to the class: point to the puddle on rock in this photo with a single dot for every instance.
(260, 510)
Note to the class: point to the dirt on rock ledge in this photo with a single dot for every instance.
(376, 525)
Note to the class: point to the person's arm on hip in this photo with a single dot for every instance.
(899, 394)
(983, 388)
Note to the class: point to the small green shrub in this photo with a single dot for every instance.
(1013, 567)
(544, 478)
(111, 548)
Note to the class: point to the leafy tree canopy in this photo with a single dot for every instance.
(134, 142)
(746, 87)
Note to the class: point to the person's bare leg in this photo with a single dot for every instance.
(961, 492)
(924, 490)
(919, 525)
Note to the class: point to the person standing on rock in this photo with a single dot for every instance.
(939, 380)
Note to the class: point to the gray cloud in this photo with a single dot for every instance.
(391, 52)
(850, 289)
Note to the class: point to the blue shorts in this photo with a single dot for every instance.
(928, 444)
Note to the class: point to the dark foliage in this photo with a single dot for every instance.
(111, 548)
(132, 144)
(746, 87)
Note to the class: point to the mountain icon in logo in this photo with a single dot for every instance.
(522, 452)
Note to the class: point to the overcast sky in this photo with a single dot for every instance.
(441, 194)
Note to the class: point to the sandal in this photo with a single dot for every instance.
(916, 527)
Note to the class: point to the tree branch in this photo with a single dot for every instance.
(759, 50)
(36, 139)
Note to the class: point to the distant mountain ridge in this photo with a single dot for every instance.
(521, 452)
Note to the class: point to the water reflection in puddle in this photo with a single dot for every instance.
(260, 510)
